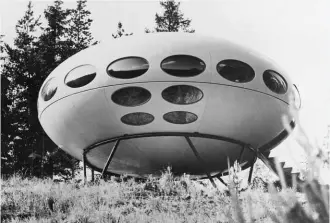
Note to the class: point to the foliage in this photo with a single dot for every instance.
(79, 33)
(167, 199)
(172, 19)
(19, 69)
(121, 32)
(26, 66)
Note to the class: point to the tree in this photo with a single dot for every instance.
(172, 20)
(17, 76)
(121, 32)
(80, 36)
(54, 40)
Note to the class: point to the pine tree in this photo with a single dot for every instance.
(17, 76)
(172, 20)
(26, 66)
(120, 32)
(54, 39)
(79, 32)
(6, 157)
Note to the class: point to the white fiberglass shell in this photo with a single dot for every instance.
(76, 118)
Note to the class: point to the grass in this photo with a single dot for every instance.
(168, 199)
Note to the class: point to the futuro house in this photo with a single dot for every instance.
(138, 104)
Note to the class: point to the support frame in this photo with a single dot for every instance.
(259, 151)
(159, 134)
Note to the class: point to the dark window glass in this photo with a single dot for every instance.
(137, 118)
(131, 96)
(80, 76)
(235, 70)
(275, 82)
(183, 65)
(182, 94)
(297, 99)
(128, 67)
(49, 89)
(180, 117)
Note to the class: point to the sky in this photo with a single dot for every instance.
(295, 34)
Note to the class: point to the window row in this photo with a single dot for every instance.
(143, 118)
(177, 94)
(176, 65)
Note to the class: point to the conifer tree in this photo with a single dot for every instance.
(17, 76)
(172, 19)
(120, 32)
(79, 32)
(25, 68)
(54, 40)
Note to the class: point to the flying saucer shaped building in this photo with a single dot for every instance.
(138, 104)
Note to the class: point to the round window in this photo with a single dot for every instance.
(183, 65)
(180, 117)
(235, 70)
(128, 67)
(131, 96)
(275, 82)
(80, 76)
(137, 118)
(182, 94)
(49, 89)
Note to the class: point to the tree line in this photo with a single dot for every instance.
(38, 49)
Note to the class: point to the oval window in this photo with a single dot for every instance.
(296, 95)
(180, 117)
(49, 89)
(182, 94)
(131, 96)
(183, 65)
(80, 76)
(128, 67)
(235, 70)
(275, 82)
(137, 118)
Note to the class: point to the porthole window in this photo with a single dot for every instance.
(235, 70)
(131, 96)
(49, 89)
(275, 82)
(296, 95)
(137, 118)
(183, 65)
(182, 94)
(80, 76)
(180, 117)
(128, 67)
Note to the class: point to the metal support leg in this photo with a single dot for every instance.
(241, 155)
(222, 181)
(200, 160)
(251, 170)
(112, 153)
(84, 168)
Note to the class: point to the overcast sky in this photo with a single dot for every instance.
(296, 34)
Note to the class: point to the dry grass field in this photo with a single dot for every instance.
(157, 200)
